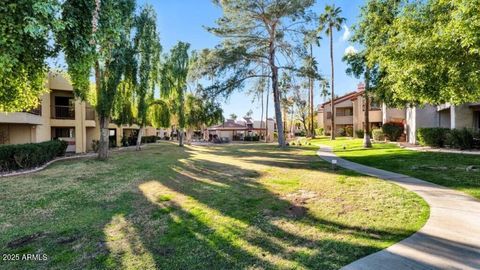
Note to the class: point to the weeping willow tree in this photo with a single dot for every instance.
(159, 114)
(173, 83)
(147, 47)
(97, 36)
(199, 113)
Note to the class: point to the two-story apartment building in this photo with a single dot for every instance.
(350, 112)
(60, 116)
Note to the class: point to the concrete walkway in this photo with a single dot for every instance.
(449, 240)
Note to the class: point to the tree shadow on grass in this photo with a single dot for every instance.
(251, 236)
(183, 212)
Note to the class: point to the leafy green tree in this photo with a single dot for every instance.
(301, 105)
(97, 35)
(331, 20)
(427, 50)
(173, 83)
(147, 49)
(200, 113)
(26, 29)
(253, 35)
(159, 113)
(357, 66)
(233, 116)
(324, 86)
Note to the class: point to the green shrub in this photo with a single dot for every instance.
(95, 145)
(30, 155)
(392, 131)
(349, 131)
(254, 138)
(378, 135)
(319, 131)
(359, 133)
(435, 137)
(460, 138)
(150, 139)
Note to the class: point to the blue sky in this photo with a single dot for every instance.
(183, 20)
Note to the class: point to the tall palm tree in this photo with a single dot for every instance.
(331, 20)
(311, 38)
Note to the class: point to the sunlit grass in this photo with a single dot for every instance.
(445, 169)
(218, 207)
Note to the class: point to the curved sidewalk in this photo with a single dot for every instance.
(449, 240)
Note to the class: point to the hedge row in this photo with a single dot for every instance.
(150, 139)
(30, 155)
(251, 138)
(454, 138)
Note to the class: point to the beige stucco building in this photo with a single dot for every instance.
(446, 116)
(232, 130)
(350, 112)
(60, 115)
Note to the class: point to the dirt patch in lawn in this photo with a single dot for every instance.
(24, 240)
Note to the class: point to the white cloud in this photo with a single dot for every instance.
(350, 50)
(346, 33)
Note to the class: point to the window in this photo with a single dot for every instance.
(347, 111)
(63, 133)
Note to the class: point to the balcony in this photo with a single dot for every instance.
(36, 111)
(66, 112)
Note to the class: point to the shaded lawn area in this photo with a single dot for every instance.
(211, 207)
(446, 169)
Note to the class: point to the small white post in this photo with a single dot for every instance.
(334, 164)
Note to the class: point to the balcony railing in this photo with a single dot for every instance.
(63, 112)
(36, 111)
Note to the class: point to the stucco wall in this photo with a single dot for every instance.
(462, 116)
(320, 119)
(420, 117)
(444, 118)
(18, 133)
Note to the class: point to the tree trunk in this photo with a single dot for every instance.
(366, 137)
(332, 133)
(104, 141)
(139, 138)
(188, 139)
(266, 112)
(261, 116)
(304, 122)
(312, 129)
(180, 136)
(276, 93)
(292, 131)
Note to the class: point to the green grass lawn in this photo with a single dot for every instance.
(216, 207)
(446, 169)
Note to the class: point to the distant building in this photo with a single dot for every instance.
(232, 130)
(350, 113)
